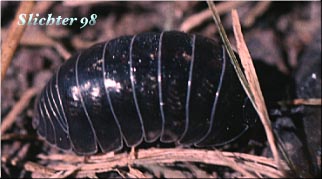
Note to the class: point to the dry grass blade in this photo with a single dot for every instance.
(248, 165)
(136, 173)
(18, 108)
(233, 164)
(63, 174)
(251, 84)
(230, 51)
(10, 44)
(254, 84)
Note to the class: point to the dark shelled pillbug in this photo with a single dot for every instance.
(174, 86)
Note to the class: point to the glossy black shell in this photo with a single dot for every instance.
(170, 86)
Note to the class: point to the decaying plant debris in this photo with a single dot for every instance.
(284, 39)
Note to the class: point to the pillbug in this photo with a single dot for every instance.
(170, 86)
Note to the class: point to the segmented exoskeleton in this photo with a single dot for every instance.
(170, 86)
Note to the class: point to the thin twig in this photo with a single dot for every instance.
(197, 19)
(7, 155)
(255, 12)
(254, 84)
(18, 108)
(33, 36)
(10, 44)
(42, 7)
(83, 3)
(21, 154)
(301, 101)
(34, 167)
(16, 137)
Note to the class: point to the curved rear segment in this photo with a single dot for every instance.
(61, 137)
(206, 73)
(227, 120)
(49, 128)
(48, 125)
(38, 121)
